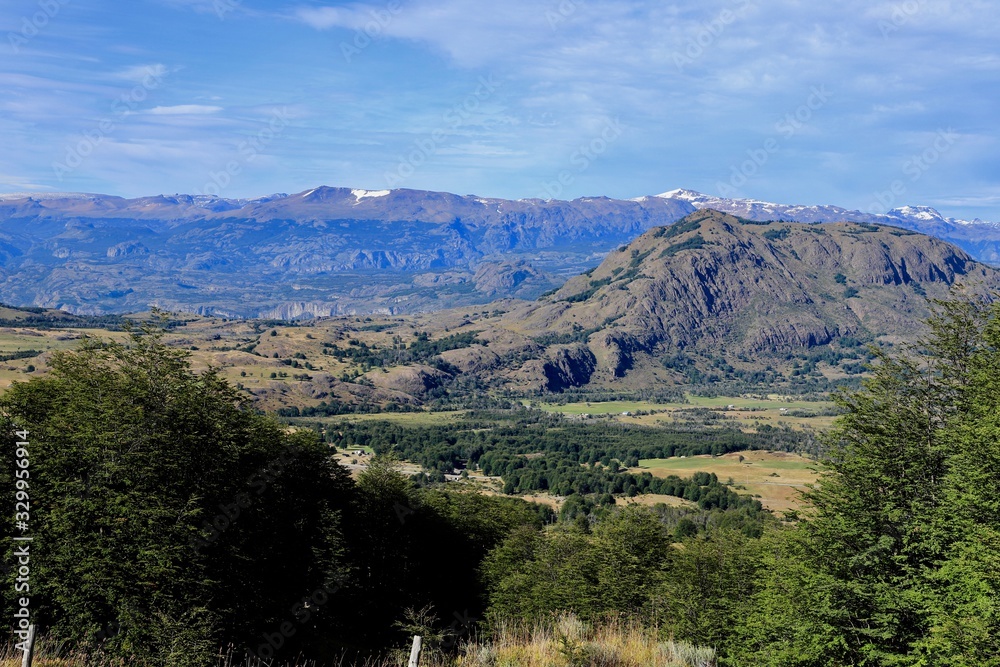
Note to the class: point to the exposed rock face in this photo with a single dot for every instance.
(569, 366)
(498, 279)
(414, 380)
(298, 309)
(127, 248)
(613, 351)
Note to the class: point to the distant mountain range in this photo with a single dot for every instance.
(979, 238)
(337, 251)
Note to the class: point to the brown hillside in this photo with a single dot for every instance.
(713, 284)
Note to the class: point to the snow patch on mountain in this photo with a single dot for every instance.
(362, 194)
(754, 209)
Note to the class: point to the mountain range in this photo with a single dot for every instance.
(711, 299)
(340, 251)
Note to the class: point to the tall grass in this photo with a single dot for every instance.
(53, 654)
(563, 641)
(571, 643)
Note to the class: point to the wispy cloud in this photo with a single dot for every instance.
(900, 71)
(324, 18)
(139, 73)
(185, 109)
(12, 183)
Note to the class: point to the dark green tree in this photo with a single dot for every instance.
(706, 588)
(888, 568)
(632, 545)
(167, 516)
(964, 592)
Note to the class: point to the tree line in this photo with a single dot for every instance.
(535, 451)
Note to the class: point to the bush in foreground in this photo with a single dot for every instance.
(166, 514)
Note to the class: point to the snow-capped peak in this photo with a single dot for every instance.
(361, 194)
(701, 200)
(918, 212)
(908, 216)
(687, 195)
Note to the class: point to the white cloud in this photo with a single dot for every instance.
(901, 107)
(969, 201)
(19, 184)
(184, 109)
(140, 73)
(322, 18)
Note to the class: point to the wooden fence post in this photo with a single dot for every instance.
(415, 652)
(29, 647)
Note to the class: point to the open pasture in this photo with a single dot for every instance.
(778, 478)
(743, 412)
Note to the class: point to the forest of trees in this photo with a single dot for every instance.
(169, 518)
(897, 562)
(537, 451)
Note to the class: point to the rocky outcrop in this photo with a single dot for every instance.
(415, 380)
(716, 286)
(568, 366)
(507, 278)
(127, 248)
(613, 351)
(475, 359)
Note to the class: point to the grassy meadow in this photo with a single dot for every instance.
(744, 412)
(774, 478)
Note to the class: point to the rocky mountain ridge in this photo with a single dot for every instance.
(340, 251)
(714, 289)
(980, 238)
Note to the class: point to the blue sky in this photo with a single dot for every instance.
(863, 104)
